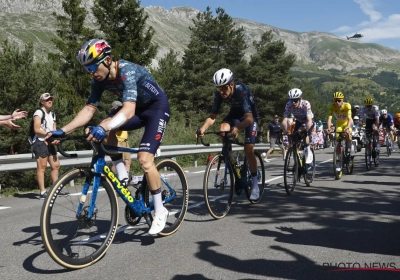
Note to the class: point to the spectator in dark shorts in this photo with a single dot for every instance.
(45, 154)
(274, 136)
(122, 137)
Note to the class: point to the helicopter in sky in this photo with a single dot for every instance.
(355, 36)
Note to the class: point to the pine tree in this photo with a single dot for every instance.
(123, 23)
(75, 87)
(269, 76)
(216, 42)
(170, 76)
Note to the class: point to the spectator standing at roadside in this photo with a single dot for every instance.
(45, 153)
(274, 136)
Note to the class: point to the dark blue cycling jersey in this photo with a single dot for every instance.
(242, 102)
(133, 83)
(386, 121)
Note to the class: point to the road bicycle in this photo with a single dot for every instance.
(224, 174)
(371, 152)
(342, 158)
(388, 142)
(78, 230)
(295, 164)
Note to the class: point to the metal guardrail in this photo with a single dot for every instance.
(22, 162)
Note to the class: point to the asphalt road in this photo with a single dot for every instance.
(335, 224)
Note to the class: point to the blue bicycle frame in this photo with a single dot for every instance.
(136, 204)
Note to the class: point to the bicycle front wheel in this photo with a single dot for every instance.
(338, 157)
(388, 147)
(310, 170)
(349, 164)
(173, 183)
(376, 158)
(218, 186)
(290, 171)
(260, 178)
(75, 240)
(368, 149)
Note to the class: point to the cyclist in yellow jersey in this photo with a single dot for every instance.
(342, 112)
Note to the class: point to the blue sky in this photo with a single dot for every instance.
(377, 20)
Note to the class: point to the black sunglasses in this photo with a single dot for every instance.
(294, 100)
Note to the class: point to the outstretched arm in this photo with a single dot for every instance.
(17, 114)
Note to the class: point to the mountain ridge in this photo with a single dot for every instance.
(32, 20)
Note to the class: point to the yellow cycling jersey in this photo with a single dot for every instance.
(341, 114)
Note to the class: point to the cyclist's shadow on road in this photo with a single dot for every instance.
(299, 268)
(137, 235)
(347, 235)
(35, 240)
(27, 195)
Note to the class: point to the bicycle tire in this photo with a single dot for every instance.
(261, 180)
(178, 206)
(310, 171)
(92, 236)
(218, 193)
(389, 147)
(368, 155)
(338, 161)
(350, 164)
(376, 158)
(290, 173)
(218, 198)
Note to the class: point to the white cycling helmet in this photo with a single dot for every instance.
(295, 93)
(356, 118)
(356, 107)
(223, 77)
(383, 112)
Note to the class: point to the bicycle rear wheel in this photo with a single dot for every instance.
(310, 171)
(261, 178)
(173, 183)
(218, 187)
(76, 241)
(290, 170)
(338, 157)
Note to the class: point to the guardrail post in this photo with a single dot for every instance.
(195, 160)
(72, 183)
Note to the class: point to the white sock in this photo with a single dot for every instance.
(121, 170)
(158, 204)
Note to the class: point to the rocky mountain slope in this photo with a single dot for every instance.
(32, 20)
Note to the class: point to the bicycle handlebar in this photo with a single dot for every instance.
(235, 141)
(81, 137)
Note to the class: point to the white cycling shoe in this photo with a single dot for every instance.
(159, 222)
